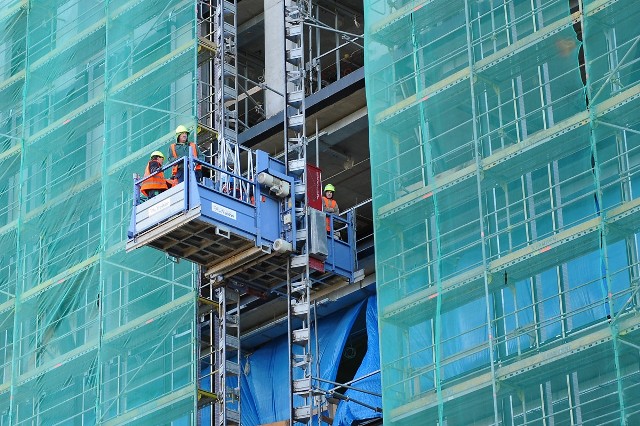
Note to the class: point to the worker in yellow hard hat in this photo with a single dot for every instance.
(329, 205)
(156, 182)
(180, 149)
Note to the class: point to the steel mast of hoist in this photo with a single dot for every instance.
(302, 403)
(227, 158)
(205, 316)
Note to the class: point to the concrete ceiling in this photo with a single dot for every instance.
(350, 20)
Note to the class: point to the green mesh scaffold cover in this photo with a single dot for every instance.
(89, 334)
(505, 158)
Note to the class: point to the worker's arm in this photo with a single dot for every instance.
(154, 166)
(325, 207)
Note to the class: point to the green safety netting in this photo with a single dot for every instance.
(89, 334)
(505, 158)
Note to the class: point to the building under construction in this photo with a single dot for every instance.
(494, 153)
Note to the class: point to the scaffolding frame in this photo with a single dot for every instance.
(110, 86)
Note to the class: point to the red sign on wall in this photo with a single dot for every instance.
(314, 187)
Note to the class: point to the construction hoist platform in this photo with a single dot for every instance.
(241, 231)
(233, 227)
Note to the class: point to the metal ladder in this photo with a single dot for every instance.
(302, 404)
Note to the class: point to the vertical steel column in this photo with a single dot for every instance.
(482, 230)
(228, 357)
(574, 398)
(433, 223)
(206, 331)
(604, 255)
(225, 106)
(207, 313)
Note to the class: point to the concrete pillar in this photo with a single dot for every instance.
(274, 63)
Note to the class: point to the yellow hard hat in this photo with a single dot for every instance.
(181, 129)
(157, 154)
(330, 187)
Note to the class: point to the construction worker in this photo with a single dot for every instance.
(329, 205)
(157, 182)
(181, 149)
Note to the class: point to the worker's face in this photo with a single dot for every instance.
(183, 137)
(159, 159)
(328, 194)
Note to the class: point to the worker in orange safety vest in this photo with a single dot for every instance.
(329, 205)
(181, 149)
(156, 183)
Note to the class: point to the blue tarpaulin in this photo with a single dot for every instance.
(348, 412)
(265, 389)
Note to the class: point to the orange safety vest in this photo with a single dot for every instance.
(194, 152)
(329, 204)
(157, 181)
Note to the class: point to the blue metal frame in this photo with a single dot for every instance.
(255, 219)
